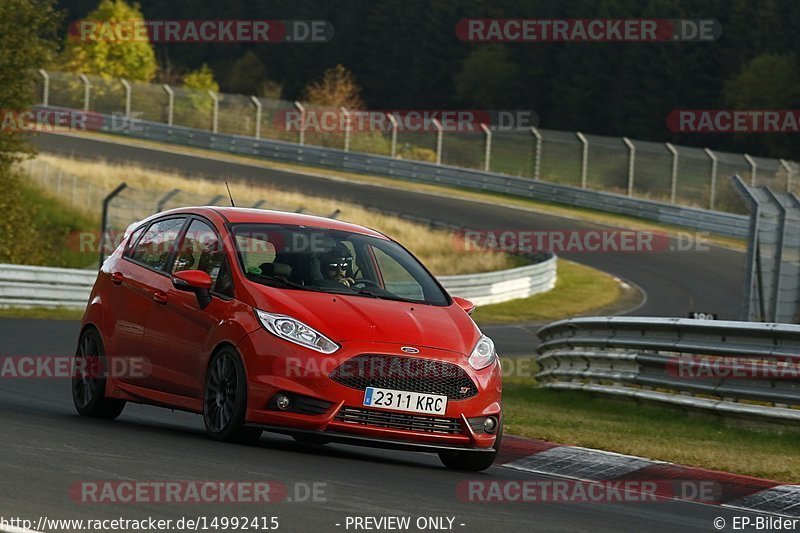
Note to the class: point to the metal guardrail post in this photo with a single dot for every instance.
(127, 87)
(347, 125)
(439, 139)
(104, 220)
(584, 157)
(673, 180)
(302, 134)
(789, 172)
(216, 199)
(631, 162)
(335, 214)
(87, 90)
(258, 204)
(752, 257)
(393, 120)
(214, 112)
(166, 198)
(779, 249)
(170, 103)
(487, 153)
(45, 86)
(713, 193)
(257, 103)
(537, 155)
(753, 168)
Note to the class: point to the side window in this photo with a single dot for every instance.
(158, 242)
(201, 249)
(132, 241)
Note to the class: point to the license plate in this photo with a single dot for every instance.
(413, 402)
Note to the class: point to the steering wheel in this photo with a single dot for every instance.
(366, 283)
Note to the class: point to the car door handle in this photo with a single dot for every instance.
(160, 297)
(117, 278)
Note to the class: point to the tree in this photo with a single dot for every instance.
(29, 26)
(337, 88)
(201, 79)
(488, 78)
(105, 51)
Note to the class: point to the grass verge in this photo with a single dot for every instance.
(661, 432)
(588, 215)
(42, 313)
(580, 290)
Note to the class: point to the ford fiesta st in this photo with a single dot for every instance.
(308, 326)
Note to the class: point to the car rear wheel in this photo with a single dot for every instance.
(471, 461)
(225, 400)
(89, 382)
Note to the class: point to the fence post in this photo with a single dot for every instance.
(788, 168)
(487, 154)
(346, 114)
(302, 110)
(215, 112)
(439, 138)
(537, 156)
(753, 169)
(170, 103)
(393, 120)
(631, 162)
(87, 85)
(673, 180)
(127, 87)
(257, 103)
(166, 198)
(584, 158)
(45, 86)
(713, 194)
(104, 221)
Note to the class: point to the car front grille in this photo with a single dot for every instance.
(411, 374)
(407, 422)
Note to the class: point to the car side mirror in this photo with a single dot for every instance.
(464, 304)
(195, 281)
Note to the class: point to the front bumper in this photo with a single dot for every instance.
(273, 365)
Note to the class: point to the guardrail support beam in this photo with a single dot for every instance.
(487, 153)
(104, 221)
(584, 158)
(393, 120)
(631, 162)
(673, 180)
(257, 129)
(302, 133)
(713, 193)
(537, 154)
(214, 111)
(45, 86)
(753, 168)
(127, 87)
(439, 139)
(87, 91)
(170, 103)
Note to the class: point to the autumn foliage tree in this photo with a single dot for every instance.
(337, 88)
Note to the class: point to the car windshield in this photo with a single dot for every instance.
(325, 260)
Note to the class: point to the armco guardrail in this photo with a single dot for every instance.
(718, 222)
(28, 286)
(731, 368)
(31, 286)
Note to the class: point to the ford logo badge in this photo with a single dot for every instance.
(409, 349)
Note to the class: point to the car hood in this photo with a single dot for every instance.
(357, 318)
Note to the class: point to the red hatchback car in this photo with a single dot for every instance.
(303, 325)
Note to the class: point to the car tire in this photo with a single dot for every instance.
(471, 461)
(225, 400)
(89, 382)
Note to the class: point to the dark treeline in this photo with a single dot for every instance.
(405, 54)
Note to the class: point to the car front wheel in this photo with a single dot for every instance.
(225, 400)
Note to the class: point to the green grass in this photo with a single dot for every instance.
(42, 313)
(580, 290)
(658, 432)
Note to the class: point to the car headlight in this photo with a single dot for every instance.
(293, 330)
(483, 354)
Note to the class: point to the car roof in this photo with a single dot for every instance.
(242, 215)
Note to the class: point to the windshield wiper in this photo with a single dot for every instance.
(393, 297)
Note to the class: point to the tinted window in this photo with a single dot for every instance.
(158, 243)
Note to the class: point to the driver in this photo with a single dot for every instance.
(336, 264)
